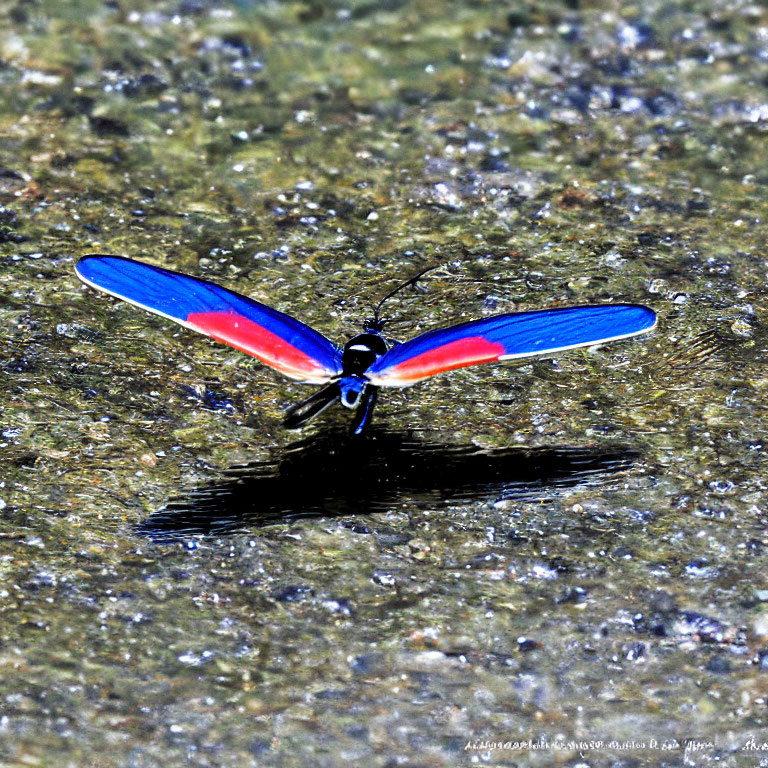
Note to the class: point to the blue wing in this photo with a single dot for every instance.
(506, 337)
(276, 339)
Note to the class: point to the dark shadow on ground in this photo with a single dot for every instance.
(331, 474)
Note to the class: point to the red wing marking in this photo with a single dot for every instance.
(454, 354)
(249, 337)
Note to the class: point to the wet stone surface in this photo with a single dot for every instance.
(186, 583)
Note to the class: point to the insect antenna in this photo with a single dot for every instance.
(376, 323)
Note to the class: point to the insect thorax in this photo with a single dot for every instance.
(360, 353)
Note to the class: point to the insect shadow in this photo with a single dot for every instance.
(331, 474)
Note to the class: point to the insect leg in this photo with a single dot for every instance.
(365, 410)
(300, 413)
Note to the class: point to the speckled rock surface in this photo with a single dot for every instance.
(561, 562)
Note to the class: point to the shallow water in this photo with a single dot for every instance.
(570, 550)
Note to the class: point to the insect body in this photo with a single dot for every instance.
(354, 374)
